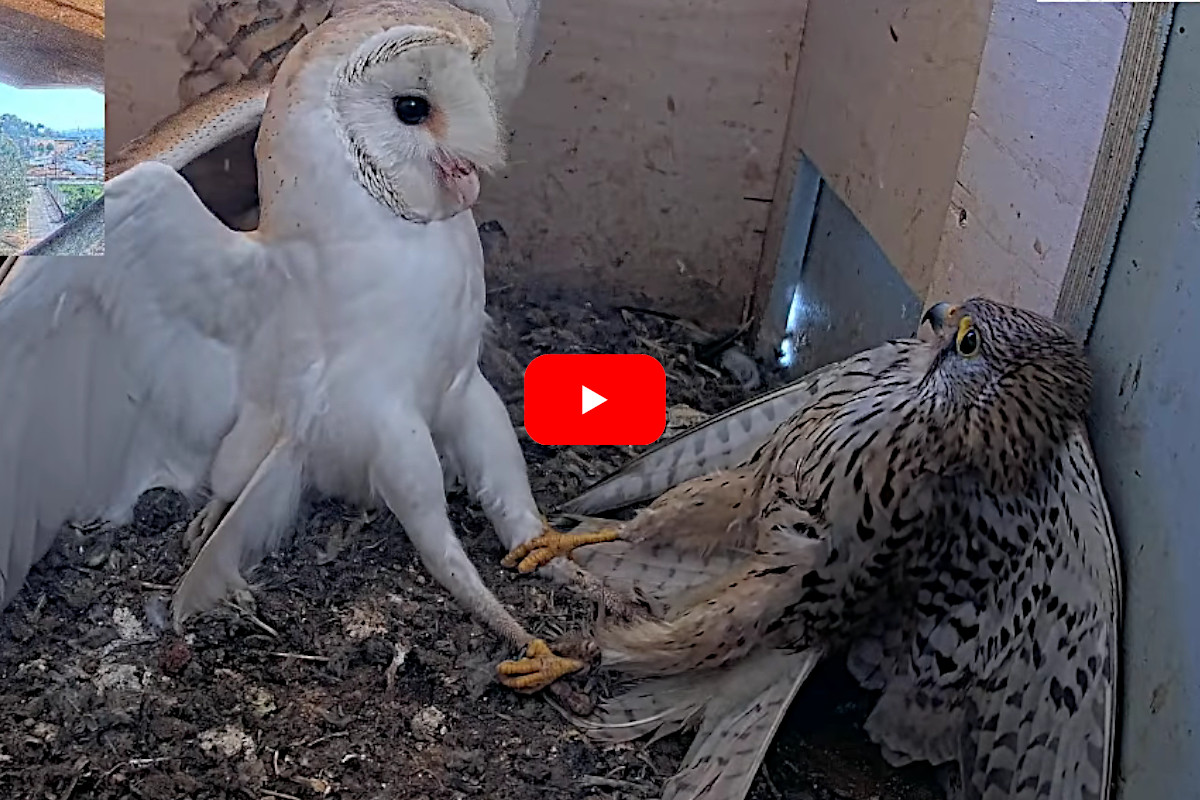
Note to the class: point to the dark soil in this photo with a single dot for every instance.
(356, 676)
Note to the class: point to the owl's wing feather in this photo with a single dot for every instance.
(119, 371)
(232, 40)
(189, 133)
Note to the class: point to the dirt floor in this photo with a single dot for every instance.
(356, 676)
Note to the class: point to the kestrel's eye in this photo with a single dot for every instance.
(412, 109)
(968, 338)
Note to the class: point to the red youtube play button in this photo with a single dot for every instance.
(595, 399)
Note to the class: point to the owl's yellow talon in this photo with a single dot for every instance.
(537, 669)
(542, 550)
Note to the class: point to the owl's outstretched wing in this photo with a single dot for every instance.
(119, 371)
(189, 133)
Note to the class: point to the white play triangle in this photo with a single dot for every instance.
(591, 399)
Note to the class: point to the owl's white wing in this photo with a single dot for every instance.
(514, 24)
(117, 373)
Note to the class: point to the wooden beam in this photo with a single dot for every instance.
(52, 43)
(1120, 149)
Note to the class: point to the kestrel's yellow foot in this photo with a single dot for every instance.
(539, 668)
(545, 548)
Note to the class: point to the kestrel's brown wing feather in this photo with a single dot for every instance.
(1014, 678)
(721, 442)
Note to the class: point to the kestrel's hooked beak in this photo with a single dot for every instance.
(938, 315)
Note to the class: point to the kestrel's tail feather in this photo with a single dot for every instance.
(737, 711)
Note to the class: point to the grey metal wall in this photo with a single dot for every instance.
(1146, 431)
(849, 296)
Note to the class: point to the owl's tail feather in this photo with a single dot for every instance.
(737, 710)
(257, 523)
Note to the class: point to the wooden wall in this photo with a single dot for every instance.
(881, 105)
(1036, 124)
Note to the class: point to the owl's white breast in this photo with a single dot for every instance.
(369, 325)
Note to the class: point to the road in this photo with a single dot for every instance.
(44, 218)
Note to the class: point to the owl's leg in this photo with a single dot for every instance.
(241, 452)
(408, 475)
(479, 435)
(545, 548)
(203, 524)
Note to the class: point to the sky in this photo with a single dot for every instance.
(61, 109)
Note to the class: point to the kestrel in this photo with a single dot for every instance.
(932, 511)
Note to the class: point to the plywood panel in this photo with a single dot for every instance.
(1037, 120)
(143, 66)
(883, 95)
(52, 43)
(646, 143)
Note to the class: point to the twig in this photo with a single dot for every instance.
(157, 587)
(299, 656)
(766, 773)
(601, 782)
(280, 795)
(270, 631)
(327, 737)
(398, 658)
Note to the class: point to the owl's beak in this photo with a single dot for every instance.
(459, 177)
(937, 315)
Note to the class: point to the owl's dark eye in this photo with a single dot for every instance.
(968, 343)
(411, 109)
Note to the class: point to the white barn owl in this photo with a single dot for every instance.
(335, 348)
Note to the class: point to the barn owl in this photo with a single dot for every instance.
(241, 43)
(933, 511)
(335, 348)
(229, 41)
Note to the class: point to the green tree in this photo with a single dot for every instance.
(14, 191)
(77, 196)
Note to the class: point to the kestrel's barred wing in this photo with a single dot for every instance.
(735, 711)
(720, 442)
(1011, 671)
